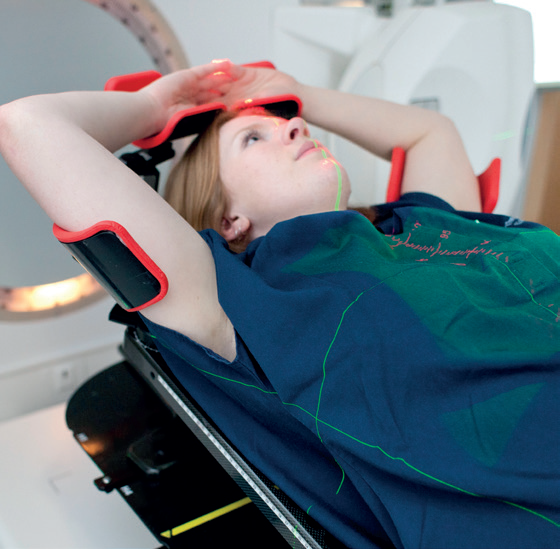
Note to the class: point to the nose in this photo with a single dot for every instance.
(294, 128)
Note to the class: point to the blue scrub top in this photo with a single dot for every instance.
(401, 383)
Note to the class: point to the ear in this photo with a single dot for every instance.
(234, 228)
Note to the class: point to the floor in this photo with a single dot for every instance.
(47, 496)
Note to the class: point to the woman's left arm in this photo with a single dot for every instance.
(436, 160)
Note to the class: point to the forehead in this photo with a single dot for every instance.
(247, 120)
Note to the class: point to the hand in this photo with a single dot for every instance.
(255, 83)
(192, 87)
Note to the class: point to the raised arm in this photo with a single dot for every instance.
(60, 147)
(436, 160)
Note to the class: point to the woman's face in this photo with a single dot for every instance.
(272, 171)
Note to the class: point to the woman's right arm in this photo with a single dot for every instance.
(60, 147)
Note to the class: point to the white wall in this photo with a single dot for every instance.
(240, 30)
(546, 18)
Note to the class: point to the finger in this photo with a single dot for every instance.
(234, 71)
(216, 80)
(237, 71)
(201, 72)
(219, 66)
(210, 96)
(221, 90)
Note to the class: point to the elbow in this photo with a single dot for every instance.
(445, 124)
(428, 127)
(440, 124)
(9, 116)
(5, 123)
(17, 124)
(439, 130)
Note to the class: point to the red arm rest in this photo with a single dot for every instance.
(488, 181)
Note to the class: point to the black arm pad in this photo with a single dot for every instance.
(108, 252)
